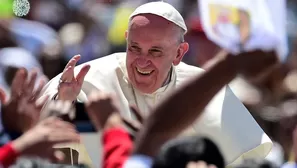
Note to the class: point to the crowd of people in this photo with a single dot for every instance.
(161, 93)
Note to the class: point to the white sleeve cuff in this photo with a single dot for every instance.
(139, 161)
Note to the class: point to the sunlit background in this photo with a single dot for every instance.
(55, 30)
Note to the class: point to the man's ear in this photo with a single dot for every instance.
(126, 34)
(183, 48)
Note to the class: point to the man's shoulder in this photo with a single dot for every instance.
(112, 59)
(185, 70)
(105, 63)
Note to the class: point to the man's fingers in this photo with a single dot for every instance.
(137, 113)
(62, 125)
(58, 127)
(29, 86)
(93, 116)
(82, 73)
(94, 96)
(18, 82)
(2, 96)
(56, 156)
(50, 120)
(72, 61)
(192, 165)
(39, 88)
(68, 74)
(63, 136)
(134, 125)
(201, 164)
(212, 166)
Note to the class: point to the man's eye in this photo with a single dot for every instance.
(154, 50)
(135, 49)
(156, 53)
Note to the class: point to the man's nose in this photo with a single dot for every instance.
(142, 62)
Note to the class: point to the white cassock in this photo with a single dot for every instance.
(225, 120)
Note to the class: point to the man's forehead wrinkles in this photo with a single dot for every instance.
(152, 47)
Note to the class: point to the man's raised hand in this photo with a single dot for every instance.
(70, 85)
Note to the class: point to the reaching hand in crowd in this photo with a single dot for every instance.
(40, 140)
(21, 112)
(104, 112)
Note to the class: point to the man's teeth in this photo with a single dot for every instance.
(143, 72)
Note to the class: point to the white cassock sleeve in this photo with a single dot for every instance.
(230, 125)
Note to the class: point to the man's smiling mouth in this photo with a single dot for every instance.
(142, 72)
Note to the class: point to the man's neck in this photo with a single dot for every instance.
(168, 78)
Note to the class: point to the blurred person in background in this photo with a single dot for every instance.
(201, 48)
(90, 30)
(53, 13)
(13, 58)
(119, 25)
(35, 38)
(30, 35)
(51, 59)
(202, 53)
(5, 39)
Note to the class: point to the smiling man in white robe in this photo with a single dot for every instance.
(150, 69)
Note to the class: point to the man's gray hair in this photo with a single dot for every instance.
(181, 35)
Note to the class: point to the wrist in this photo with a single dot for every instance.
(228, 61)
(113, 121)
(58, 97)
(19, 145)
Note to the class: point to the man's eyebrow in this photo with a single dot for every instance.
(135, 43)
(153, 47)
(157, 47)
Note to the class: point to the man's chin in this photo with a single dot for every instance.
(145, 89)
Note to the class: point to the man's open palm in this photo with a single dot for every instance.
(70, 85)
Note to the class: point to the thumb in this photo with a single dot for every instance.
(57, 156)
(2, 96)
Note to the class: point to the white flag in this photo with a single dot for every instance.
(243, 25)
